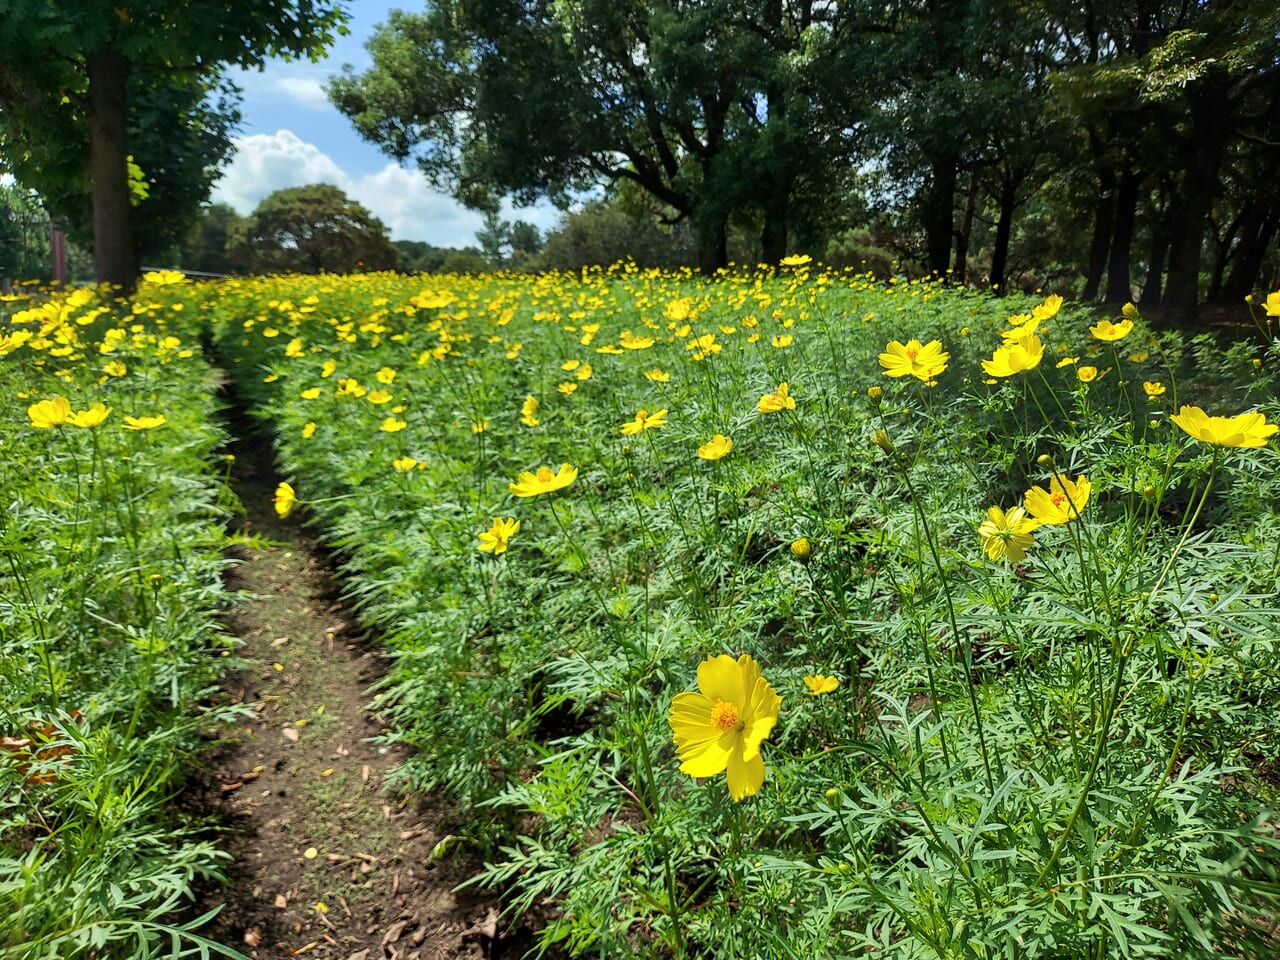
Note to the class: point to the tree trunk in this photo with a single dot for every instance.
(1119, 279)
(1199, 187)
(966, 231)
(773, 232)
(937, 211)
(1103, 223)
(1004, 227)
(1247, 263)
(712, 234)
(115, 258)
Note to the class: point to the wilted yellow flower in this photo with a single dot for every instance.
(495, 539)
(543, 481)
(644, 421)
(716, 448)
(1007, 534)
(922, 361)
(1153, 388)
(144, 423)
(1110, 332)
(1061, 503)
(47, 414)
(720, 728)
(284, 500)
(392, 425)
(91, 417)
(777, 401)
(1243, 430)
(819, 684)
(1017, 357)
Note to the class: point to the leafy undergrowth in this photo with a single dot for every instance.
(111, 532)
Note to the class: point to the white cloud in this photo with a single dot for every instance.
(400, 198)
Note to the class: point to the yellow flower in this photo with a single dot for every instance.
(584, 372)
(1110, 332)
(720, 728)
(47, 414)
(819, 684)
(644, 421)
(1086, 374)
(480, 426)
(294, 349)
(1062, 502)
(385, 375)
(795, 260)
(777, 401)
(570, 365)
(308, 431)
(543, 481)
(1049, 309)
(1153, 388)
(657, 376)
(1271, 306)
(1139, 356)
(392, 425)
(498, 535)
(378, 397)
(403, 464)
(1067, 361)
(1130, 311)
(632, 342)
(1017, 357)
(716, 448)
(1028, 328)
(328, 368)
(568, 386)
(1243, 430)
(144, 423)
(284, 500)
(802, 549)
(529, 412)
(783, 340)
(1007, 534)
(115, 369)
(310, 393)
(922, 361)
(91, 417)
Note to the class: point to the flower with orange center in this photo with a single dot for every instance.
(819, 684)
(1110, 332)
(644, 421)
(1061, 503)
(1017, 356)
(47, 414)
(924, 361)
(777, 401)
(1242, 430)
(543, 481)
(284, 500)
(720, 728)
(717, 448)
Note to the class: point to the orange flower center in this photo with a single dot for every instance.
(544, 475)
(1058, 499)
(912, 352)
(724, 715)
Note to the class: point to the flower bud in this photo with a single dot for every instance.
(1044, 460)
(1148, 492)
(881, 439)
(875, 393)
(801, 549)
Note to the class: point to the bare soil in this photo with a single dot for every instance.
(328, 863)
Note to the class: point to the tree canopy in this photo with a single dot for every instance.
(311, 229)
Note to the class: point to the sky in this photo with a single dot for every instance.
(292, 136)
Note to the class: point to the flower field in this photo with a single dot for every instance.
(791, 614)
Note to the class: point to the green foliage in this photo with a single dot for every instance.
(312, 229)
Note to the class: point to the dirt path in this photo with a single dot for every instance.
(328, 864)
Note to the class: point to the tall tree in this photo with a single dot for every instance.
(83, 52)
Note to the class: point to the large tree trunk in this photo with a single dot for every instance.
(773, 232)
(1199, 187)
(1103, 223)
(1004, 228)
(114, 255)
(1119, 279)
(712, 233)
(937, 211)
(1261, 226)
(965, 231)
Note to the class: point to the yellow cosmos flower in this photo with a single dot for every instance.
(378, 397)
(819, 684)
(385, 376)
(1271, 306)
(777, 401)
(328, 368)
(1049, 309)
(802, 549)
(1139, 356)
(1007, 534)
(1153, 388)
(543, 481)
(294, 349)
(631, 342)
(584, 372)
(144, 423)
(91, 417)
(796, 260)
(403, 464)
(1025, 329)
(570, 365)
(1061, 503)
(783, 340)
(1017, 357)
(311, 393)
(115, 369)
(480, 426)
(720, 728)
(529, 411)
(922, 361)
(657, 376)
(1086, 374)
(1129, 310)
(284, 500)
(1067, 361)
(308, 431)
(1110, 332)
(392, 425)
(498, 535)
(716, 448)
(644, 421)
(1242, 430)
(47, 414)
(568, 386)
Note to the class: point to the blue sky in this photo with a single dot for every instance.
(292, 136)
